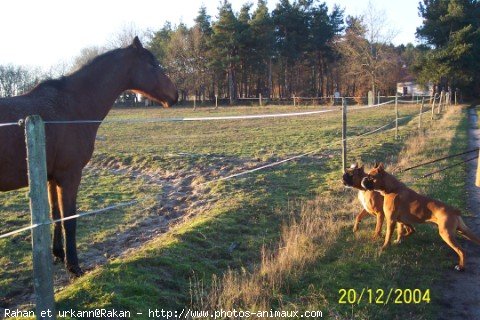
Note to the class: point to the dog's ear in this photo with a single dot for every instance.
(354, 166)
(375, 166)
(381, 167)
(362, 168)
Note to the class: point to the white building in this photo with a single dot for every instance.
(407, 88)
(408, 85)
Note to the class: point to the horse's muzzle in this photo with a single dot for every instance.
(170, 102)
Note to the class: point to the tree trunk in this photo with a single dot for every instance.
(270, 81)
(231, 85)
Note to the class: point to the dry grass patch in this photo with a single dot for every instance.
(307, 235)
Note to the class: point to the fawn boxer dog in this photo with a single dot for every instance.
(402, 204)
(371, 201)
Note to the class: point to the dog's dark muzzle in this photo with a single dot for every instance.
(367, 183)
(347, 180)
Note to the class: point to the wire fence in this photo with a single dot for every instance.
(217, 118)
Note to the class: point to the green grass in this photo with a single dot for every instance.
(354, 263)
(248, 215)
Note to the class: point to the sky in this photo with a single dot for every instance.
(51, 32)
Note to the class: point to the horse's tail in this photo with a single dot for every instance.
(467, 232)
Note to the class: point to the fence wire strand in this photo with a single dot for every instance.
(243, 173)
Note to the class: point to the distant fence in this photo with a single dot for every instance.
(218, 101)
(35, 136)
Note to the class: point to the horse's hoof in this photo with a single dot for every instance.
(76, 271)
(58, 260)
(59, 255)
(459, 268)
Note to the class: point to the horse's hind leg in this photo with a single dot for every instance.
(58, 252)
(68, 187)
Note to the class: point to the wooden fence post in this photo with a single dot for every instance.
(396, 116)
(420, 114)
(478, 170)
(294, 101)
(344, 134)
(260, 99)
(439, 109)
(41, 238)
(195, 102)
(216, 101)
(433, 105)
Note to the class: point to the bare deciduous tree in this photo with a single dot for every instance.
(367, 51)
(15, 80)
(86, 55)
(124, 36)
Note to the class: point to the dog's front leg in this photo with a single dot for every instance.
(359, 218)
(388, 234)
(378, 227)
(390, 217)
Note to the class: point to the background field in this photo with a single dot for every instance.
(186, 235)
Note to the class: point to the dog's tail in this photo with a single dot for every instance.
(467, 232)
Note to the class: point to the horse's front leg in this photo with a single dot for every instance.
(58, 252)
(68, 188)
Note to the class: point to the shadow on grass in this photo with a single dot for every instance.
(231, 235)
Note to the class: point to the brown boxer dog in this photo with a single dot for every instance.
(372, 203)
(402, 204)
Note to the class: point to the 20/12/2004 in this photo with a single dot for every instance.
(381, 296)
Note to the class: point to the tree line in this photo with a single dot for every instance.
(450, 54)
(302, 48)
(289, 51)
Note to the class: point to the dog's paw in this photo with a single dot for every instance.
(459, 268)
(397, 241)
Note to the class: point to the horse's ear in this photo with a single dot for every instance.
(136, 43)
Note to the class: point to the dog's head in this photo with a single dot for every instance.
(374, 180)
(353, 176)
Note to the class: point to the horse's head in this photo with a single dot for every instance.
(148, 77)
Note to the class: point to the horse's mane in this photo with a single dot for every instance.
(57, 84)
(100, 58)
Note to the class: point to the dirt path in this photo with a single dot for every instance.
(182, 197)
(461, 291)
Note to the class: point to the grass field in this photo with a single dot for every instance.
(278, 238)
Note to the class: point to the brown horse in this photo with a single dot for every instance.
(87, 94)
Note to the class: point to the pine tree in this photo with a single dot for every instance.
(200, 37)
(245, 42)
(263, 43)
(291, 36)
(159, 42)
(452, 30)
(225, 46)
